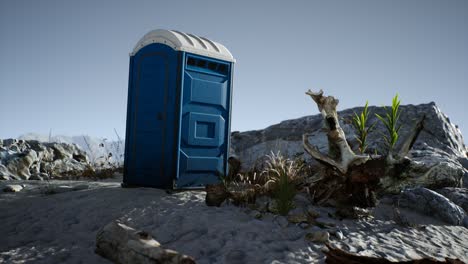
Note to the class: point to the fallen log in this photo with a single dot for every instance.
(123, 244)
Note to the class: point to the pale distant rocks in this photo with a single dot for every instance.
(30, 159)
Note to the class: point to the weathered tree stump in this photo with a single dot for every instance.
(351, 179)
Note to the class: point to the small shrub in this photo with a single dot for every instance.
(283, 173)
(390, 121)
(360, 124)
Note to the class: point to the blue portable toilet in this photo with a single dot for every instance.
(178, 111)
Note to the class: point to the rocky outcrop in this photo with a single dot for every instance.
(435, 155)
(30, 159)
(123, 244)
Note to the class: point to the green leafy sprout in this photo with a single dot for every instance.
(360, 124)
(390, 121)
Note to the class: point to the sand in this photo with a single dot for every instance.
(55, 228)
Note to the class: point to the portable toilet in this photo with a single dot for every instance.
(178, 111)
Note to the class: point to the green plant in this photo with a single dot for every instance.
(360, 124)
(283, 173)
(390, 121)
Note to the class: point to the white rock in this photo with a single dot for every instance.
(318, 236)
(13, 188)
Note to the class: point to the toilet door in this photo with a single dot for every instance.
(151, 118)
(205, 121)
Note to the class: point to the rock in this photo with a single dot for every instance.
(61, 150)
(433, 204)
(318, 236)
(464, 162)
(123, 244)
(80, 157)
(64, 167)
(281, 221)
(43, 153)
(24, 158)
(10, 141)
(458, 196)
(312, 213)
(34, 168)
(14, 148)
(13, 188)
(465, 179)
(435, 152)
(1, 142)
(19, 164)
(4, 173)
(297, 218)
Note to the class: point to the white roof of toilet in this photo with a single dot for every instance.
(185, 42)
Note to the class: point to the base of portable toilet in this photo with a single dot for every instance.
(178, 111)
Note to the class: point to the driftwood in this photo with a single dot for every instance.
(122, 244)
(338, 256)
(341, 156)
(349, 178)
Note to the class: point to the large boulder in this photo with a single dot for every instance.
(432, 203)
(435, 154)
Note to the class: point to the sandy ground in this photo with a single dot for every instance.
(36, 227)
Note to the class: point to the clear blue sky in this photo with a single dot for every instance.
(64, 64)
